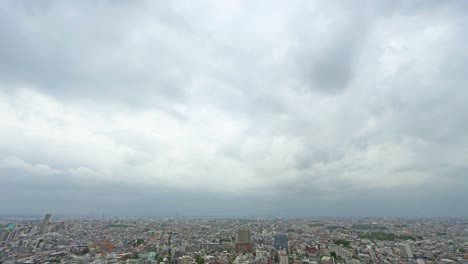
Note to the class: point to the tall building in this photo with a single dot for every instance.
(243, 240)
(281, 242)
(11, 234)
(243, 235)
(405, 251)
(45, 223)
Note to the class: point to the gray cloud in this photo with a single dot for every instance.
(223, 108)
(80, 50)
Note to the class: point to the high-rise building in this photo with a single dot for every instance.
(45, 223)
(243, 235)
(281, 242)
(405, 251)
(11, 234)
(243, 240)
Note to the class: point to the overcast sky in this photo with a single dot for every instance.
(225, 108)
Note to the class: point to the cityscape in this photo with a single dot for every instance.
(182, 240)
(233, 131)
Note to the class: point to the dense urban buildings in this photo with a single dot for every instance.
(230, 241)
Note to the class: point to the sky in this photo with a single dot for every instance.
(234, 108)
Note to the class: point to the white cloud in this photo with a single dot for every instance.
(12, 162)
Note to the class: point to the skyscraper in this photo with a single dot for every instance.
(45, 223)
(405, 251)
(243, 240)
(281, 242)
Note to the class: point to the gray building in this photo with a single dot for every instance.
(281, 242)
(45, 223)
(243, 236)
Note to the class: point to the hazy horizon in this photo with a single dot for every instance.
(181, 217)
(305, 108)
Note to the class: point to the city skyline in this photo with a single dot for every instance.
(233, 241)
(234, 108)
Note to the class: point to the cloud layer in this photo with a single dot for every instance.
(224, 107)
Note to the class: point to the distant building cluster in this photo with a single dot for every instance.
(232, 241)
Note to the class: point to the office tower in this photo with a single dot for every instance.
(243, 235)
(45, 223)
(405, 251)
(281, 242)
(11, 234)
(33, 230)
(243, 240)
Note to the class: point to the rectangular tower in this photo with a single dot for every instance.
(243, 240)
(45, 223)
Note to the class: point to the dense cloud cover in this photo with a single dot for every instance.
(302, 108)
